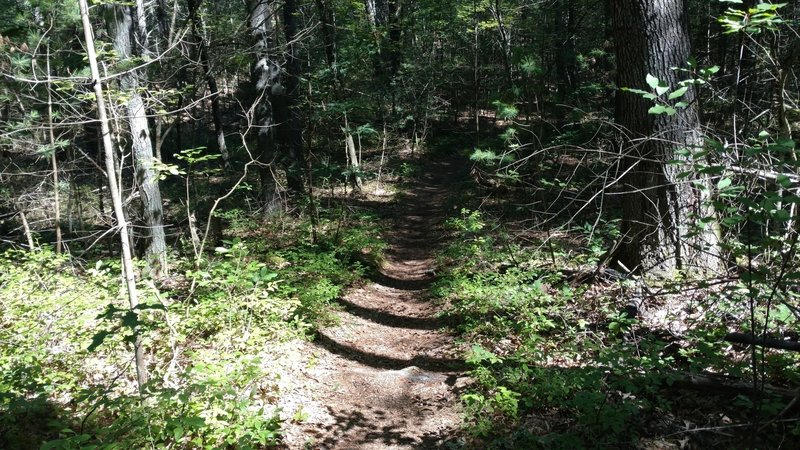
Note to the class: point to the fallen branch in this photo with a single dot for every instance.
(764, 174)
(726, 385)
(762, 341)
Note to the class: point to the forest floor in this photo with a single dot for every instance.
(387, 375)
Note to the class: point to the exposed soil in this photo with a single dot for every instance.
(388, 376)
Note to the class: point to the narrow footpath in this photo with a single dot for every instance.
(388, 376)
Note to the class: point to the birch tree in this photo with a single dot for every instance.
(265, 78)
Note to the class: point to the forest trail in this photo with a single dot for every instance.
(386, 377)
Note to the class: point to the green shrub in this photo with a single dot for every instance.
(65, 375)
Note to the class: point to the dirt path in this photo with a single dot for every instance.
(387, 376)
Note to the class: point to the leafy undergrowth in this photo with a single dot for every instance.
(557, 362)
(216, 335)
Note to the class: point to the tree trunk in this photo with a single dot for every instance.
(26, 229)
(377, 12)
(505, 42)
(395, 34)
(121, 28)
(652, 38)
(162, 25)
(327, 21)
(293, 126)
(564, 44)
(476, 84)
(127, 258)
(352, 157)
(265, 77)
(211, 81)
(54, 160)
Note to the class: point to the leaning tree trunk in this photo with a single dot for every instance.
(265, 77)
(122, 30)
(127, 260)
(54, 160)
(652, 38)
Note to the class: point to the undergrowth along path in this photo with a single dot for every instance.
(388, 376)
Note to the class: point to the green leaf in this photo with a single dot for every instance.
(505, 111)
(660, 90)
(177, 433)
(484, 156)
(781, 215)
(769, 6)
(644, 94)
(678, 93)
(724, 183)
(194, 421)
(662, 109)
(784, 181)
(635, 91)
(478, 354)
(652, 81)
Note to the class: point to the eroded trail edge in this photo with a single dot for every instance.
(387, 376)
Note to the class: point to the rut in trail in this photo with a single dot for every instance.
(387, 376)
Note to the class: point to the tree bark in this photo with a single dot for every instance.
(566, 59)
(352, 157)
(395, 34)
(26, 229)
(121, 27)
(54, 160)
(476, 84)
(327, 21)
(211, 81)
(293, 136)
(505, 42)
(651, 38)
(377, 12)
(265, 77)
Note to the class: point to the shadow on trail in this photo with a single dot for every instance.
(425, 363)
(399, 283)
(349, 420)
(388, 435)
(393, 320)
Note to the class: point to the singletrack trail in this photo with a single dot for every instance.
(387, 377)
